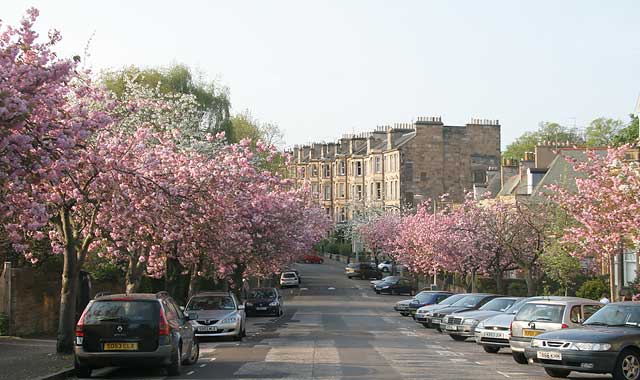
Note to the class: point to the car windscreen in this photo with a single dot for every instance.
(288, 275)
(498, 304)
(540, 312)
(122, 311)
(425, 297)
(452, 299)
(198, 303)
(262, 293)
(616, 315)
(389, 278)
(469, 301)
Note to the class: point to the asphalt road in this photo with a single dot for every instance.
(335, 328)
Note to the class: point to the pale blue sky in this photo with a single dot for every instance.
(323, 68)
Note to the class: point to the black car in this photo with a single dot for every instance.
(396, 286)
(264, 301)
(425, 298)
(473, 301)
(607, 342)
(376, 282)
(123, 330)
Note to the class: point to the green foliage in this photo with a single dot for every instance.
(629, 134)
(560, 266)
(517, 288)
(602, 131)
(593, 289)
(4, 324)
(552, 132)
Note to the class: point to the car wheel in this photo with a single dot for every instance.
(458, 338)
(519, 358)
(194, 353)
(174, 368)
(491, 349)
(81, 371)
(627, 366)
(560, 373)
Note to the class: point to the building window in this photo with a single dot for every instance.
(327, 192)
(314, 188)
(423, 176)
(341, 188)
(378, 163)
(358, 168)
(314, 170)
(326, 170)
(303, 172)
(341, 168)
(358, 192)
(343, 214)
(378, 190)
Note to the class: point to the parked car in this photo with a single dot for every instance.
(134, 330)
(294, 271)
(538, 317)
(385, 266)
(493, 333)
(402, 307)
(376, 282)
(607, 342)
(471, 301)
(462, 325)
(399, 286)
(424, 313)
(311, 259)
(289, 279)
(219, 314)
(264, 301)
(426, 298)
(363, 271)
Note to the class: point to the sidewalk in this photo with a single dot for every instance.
(22, 359)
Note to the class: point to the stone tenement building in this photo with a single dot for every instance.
(398, 166)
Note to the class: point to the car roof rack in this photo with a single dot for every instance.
(101, 294)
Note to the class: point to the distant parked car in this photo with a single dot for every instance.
(539, 317)
(396, 286)
(376, 282)
(363, 271)
(134, 330)
(385, 266)
(423, 314)
(462, 325)
(426, 298)
(472, 301)
(607, 342)
(311, 259)
(264, 301)
(288, 279)
(219, 314)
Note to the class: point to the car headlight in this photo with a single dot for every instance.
(385, 287)
(480, 325)
(430, 314)
(591, 346)
(536, 343)
(233, 319)
(469, 321)
(274, 303)
(249, 304)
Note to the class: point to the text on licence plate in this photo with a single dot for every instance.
(207, 328)
(528, 332)
(549, 355)
(120, 346)
(261, 308)
(490, 334)
(451, 328)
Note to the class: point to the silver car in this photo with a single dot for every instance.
(535, 318)
(461, 326)
(289, 279)
(424, 315)
(218, 314)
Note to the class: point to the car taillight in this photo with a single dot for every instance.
(565, 326)
(163, 326)
(80, 324)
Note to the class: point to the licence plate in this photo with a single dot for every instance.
(436, 320)
(490, 334)
(207, 328)
(549, 355)
(261, 308)
(528, 332)
(451, 328)
(120, 346)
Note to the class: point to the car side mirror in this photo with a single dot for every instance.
(240, 307)
(191, 316)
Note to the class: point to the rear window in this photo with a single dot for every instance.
(540, 312)
(288, 275)
(211, 303)
(122, 311)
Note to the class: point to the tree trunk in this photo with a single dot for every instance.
(499, 283)
(531, 282)
(67, 316)
(612, 280)
(473, 280)
(133, 275)
(237, 277)
(193, 281)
